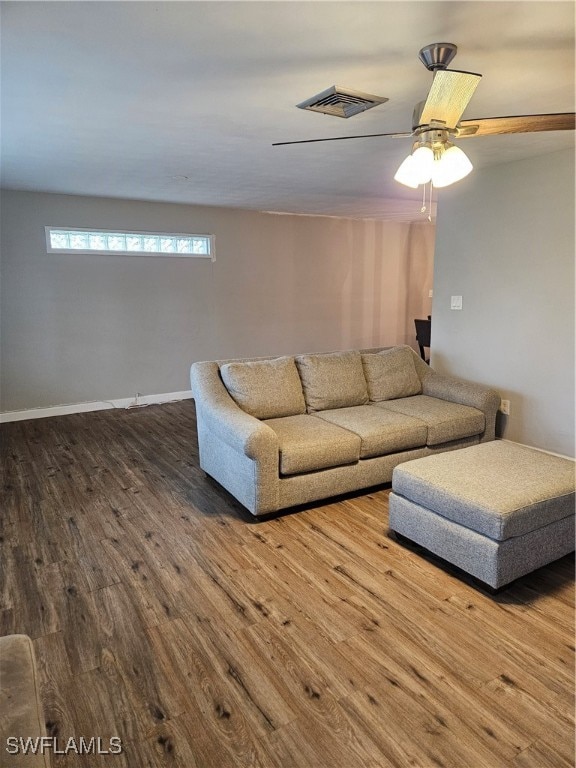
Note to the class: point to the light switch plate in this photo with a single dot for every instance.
(456, 302)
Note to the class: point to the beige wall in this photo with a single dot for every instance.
(77, 328)
(505, 243)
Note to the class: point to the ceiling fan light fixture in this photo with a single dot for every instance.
(434, 159)
(407, 173)
(423, 158)
(452, 166)
(416, 169)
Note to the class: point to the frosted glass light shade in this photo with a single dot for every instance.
(421, 166)
(417, 168)
(423, 158)
(451, 167)
(406, 174)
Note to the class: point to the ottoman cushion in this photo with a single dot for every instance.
(498, 489)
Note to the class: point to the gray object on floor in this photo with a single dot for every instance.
(21, 713)
(497, 510)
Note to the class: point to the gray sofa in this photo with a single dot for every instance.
(278, 432)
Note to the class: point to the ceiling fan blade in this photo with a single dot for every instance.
(342, 138)
(448, 97)
(486, 126)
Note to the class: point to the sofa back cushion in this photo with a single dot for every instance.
(334, 380)
(266, 389)
(391, 374)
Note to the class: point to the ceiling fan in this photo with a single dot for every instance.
(436, 121)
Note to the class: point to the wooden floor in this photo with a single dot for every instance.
(163, 614)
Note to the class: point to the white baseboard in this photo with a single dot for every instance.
(96, 405)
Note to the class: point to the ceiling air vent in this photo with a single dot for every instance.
(341, 102)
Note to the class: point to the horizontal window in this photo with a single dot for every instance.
(60, 240)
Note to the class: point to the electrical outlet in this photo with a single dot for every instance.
(505, 407)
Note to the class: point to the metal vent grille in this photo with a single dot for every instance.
(341, 102)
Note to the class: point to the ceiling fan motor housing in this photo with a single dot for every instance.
(437, 55)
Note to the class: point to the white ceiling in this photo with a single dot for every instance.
(181, 101)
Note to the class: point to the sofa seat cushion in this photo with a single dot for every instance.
(391, 374)
(445, 421)
(380, 431)
(308, 444)
(334, 380)
(265, 389)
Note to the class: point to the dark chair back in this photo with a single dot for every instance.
(423, 328)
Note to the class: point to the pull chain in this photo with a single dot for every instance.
(428, 207)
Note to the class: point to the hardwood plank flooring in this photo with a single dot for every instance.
(163, 613)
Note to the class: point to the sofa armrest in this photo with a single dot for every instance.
(222, 416)
(240, 431)
(465, 393)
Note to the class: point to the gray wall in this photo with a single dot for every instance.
(77, 328)
(505, 243)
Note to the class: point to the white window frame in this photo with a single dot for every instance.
(49, 249)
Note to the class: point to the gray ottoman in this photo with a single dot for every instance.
(497, 510)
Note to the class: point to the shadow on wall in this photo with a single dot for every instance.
(420, 276)
(501, 424)
(389, 286)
